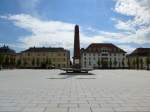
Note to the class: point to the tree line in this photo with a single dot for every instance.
(10, 62)
(137, 63)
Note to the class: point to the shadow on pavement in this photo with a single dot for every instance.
(71, 73)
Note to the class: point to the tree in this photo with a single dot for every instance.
(115, 62)
(129, 65)
(141, 62)
(147, 62)
(110, 63)
(43, 64)
(12, 61)
(134, 63)
(98, 63)
(37, 62)
(1, 60)
(18, 62)
(6, 63)
(123, 63)
(137, 62)
(46, 61)
(24, 62)
(49, 62)
(33, 62)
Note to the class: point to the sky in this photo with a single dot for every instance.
(50, 23)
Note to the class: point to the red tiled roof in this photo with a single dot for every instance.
(141, 52)
(96, 47)
(44, 49)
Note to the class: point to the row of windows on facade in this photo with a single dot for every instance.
(93, 64)
(99, 54)
(103, 49)
(38, 64)
(44, 59)
(89, 58)
(45, 54)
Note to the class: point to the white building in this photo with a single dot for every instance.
(139, 59)
(103, 55)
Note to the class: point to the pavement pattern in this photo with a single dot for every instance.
(55, 91)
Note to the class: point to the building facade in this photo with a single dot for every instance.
(43, 58)
(103, 55)
(7, 57)
(139, 59)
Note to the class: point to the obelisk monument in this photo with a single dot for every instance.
(76, 55)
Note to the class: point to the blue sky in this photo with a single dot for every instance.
(27, 23)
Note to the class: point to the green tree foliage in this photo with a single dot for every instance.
(12, 61)
(18, 62)
(49, 62)
(134, 63)
(110, 63)
(6, 62)
(115, 62)
(141, 63)
(1, 60)
(33, 62)
(37, 62)
(123, 62)
(24, 62)
(137, 62)
(129, 64)
(98, 63)
(147, 62)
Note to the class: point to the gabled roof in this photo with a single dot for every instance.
(141, 52)
(44, 49)
(6, 50)
(96, 47)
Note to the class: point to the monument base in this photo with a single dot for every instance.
(77, 70)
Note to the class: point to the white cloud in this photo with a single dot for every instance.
(139, 26)
(127, 48)
(48, 33)
(139, 9)
(60, 34)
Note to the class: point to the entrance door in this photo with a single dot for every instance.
(104, 63)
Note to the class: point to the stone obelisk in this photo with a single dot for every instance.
(76, 55)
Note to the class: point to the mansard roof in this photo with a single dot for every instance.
(97, 47)
(45, 49)
(6, 50)
(141, 52)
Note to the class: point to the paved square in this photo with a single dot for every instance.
(50, 91)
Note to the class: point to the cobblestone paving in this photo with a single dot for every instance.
(50, 91)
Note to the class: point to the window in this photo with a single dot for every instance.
(93, 58)
(104, 54)
(89, 62)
